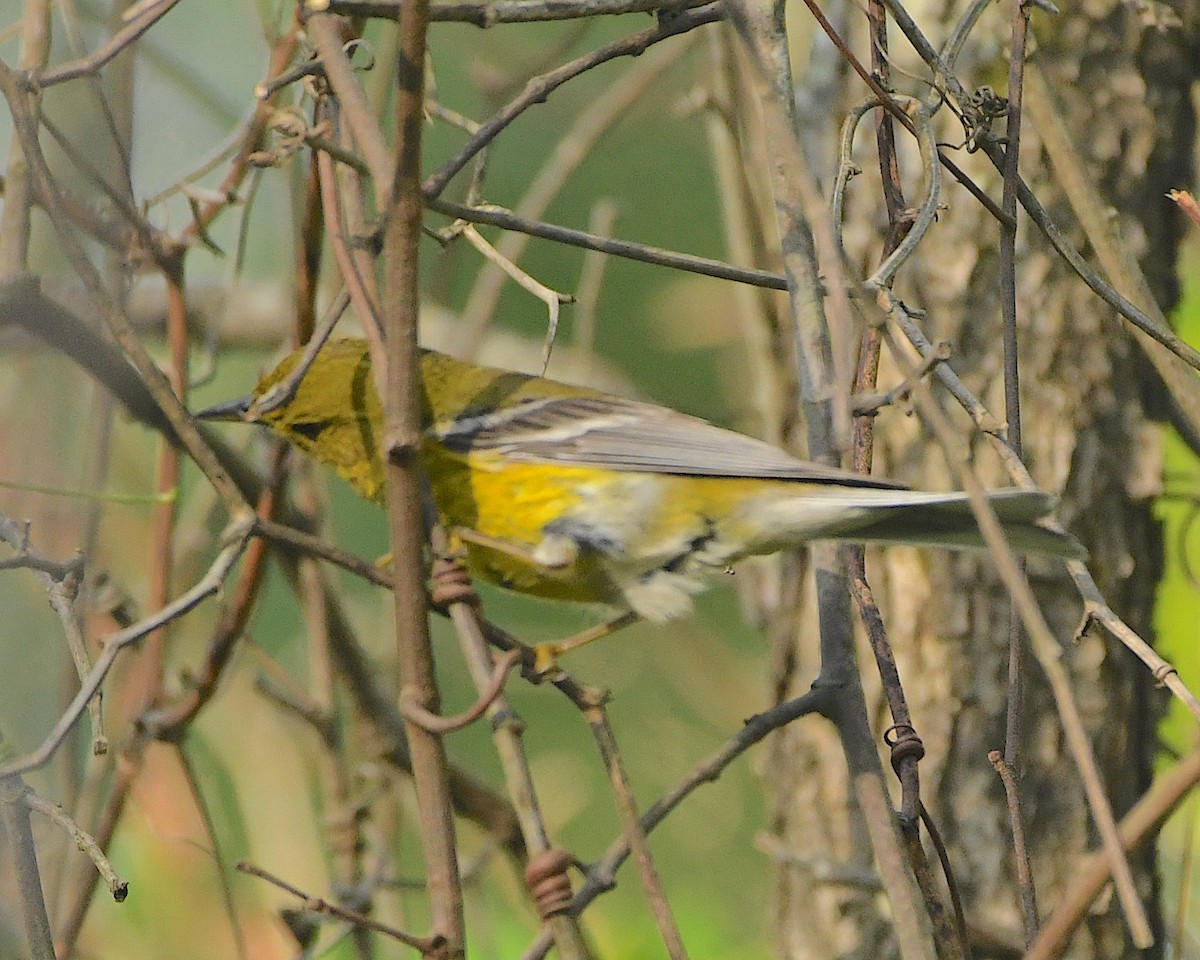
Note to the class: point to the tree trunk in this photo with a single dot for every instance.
(1088, 407)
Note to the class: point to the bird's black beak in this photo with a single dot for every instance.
(235, 410)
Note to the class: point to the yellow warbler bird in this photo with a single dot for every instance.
(569, 493)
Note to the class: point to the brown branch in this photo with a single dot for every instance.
(1007, 282)
(452, 587)
(539, 88)
(117, 888)
(1012, 795)
(428, 946)
(488, 13)
(499, 217)
(235, 538)
(398, 379)
(148, 15)
(597, 720)
(1094, 873)
(492, 689)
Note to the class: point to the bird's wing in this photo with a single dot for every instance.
(620, 434)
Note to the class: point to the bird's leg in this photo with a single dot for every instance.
(546, 654)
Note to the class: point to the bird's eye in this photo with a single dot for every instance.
(310, 429)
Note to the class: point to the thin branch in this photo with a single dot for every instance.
(635, 836)
(147, 16)
(426, 945)
(452, 587)
(1012, 794)
(118, 888)
(539, 88)
(1095, 872)
(235, 539)
(500, 217)
(569, 152)
(488, 13)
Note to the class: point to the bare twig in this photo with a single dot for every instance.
(435, 723)
(426, 945)
(1020, 852)
(118, 888)
(597, 720)
(488, 13)
(452, 588)
(1095, 872)
(551, 298)
(499, 217)
(235, 539)
(147, 16)
(538, 89)
(569, 152)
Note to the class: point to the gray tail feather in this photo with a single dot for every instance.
(952, 524)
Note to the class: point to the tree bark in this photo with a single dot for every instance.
(1089, 402)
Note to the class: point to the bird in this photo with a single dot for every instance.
(568, 493)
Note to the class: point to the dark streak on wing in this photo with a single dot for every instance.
(628, 435)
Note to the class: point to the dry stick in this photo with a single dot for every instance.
(1012, 795)
(500, 217)
(147, 678)
(118, 888)
(14, 817)
(571, 150)
(551, 298)
(405, 479)
(539, 88)
(1045, 648)
(428, 946)
(487, 13)
(351, 200)
(601, 876)
(1007, 281)
(757, 313)
(61, 582)
(235, 539)
(507, 729)
(169, 721)
(1095, 871)
(324, 30)
(15, 217)
(597, 720)
(147, 17)
(796, 194)
(862, 439)
(905, 234)
(360, 289)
